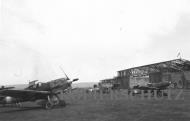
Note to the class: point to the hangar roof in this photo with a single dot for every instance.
(166, 66)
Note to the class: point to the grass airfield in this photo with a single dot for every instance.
(104, 107)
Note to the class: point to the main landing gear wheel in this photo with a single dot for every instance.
(52, 100)
(48, 105)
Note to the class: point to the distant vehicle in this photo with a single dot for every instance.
(108, 87)
(93, 90)
(46, 92)
(116, 86)
(151, 87)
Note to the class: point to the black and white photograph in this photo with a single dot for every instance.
(94, 60)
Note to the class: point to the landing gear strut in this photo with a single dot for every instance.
(53, 100)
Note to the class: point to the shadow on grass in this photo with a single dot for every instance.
(14, 109)
(21, 109)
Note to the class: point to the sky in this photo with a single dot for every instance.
(89, 39)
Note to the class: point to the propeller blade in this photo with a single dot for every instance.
(64, 72)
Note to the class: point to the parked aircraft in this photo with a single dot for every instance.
(47, 93)
(152, 88)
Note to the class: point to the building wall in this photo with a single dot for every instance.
(181, 78)
(155, 77)
(177, 78)
(187, 77)
(141, 81)
(123, 81)
(126, 82)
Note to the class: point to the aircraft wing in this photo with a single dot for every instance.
(148, 88)
(153, 88)
(25, 95)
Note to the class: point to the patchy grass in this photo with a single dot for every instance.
(106, 109)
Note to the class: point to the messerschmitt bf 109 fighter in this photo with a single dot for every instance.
(152, 88)
(47, 93)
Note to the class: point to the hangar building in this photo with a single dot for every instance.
(176, 71)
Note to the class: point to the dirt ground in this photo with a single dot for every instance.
(104, 108)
